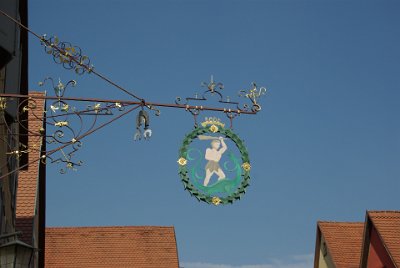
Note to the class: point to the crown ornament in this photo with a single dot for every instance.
(208, 121)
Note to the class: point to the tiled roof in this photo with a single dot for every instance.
(130, 246)
(344, 242)
(387, 223)
(28, 179)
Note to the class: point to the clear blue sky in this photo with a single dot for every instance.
(326, 145)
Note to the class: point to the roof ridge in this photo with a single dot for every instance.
(341, 222)
(383, 211)
(109, 226)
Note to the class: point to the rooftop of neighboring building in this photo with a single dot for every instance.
(343, 241)
(116, 246)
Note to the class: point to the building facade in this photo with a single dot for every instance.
(13, 79)
(14, 149)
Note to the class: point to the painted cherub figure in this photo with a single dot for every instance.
(213, 155)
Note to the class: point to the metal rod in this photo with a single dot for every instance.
(48, 153)
(127, 102)
(63, 52)
(141, 100)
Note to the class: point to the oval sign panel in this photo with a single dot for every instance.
(214, 164)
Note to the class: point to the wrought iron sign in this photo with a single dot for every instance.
(66, 121)
(214, 164)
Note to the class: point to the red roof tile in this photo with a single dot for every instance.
(28, 179)
(387, 223)
(344, 242)
(130, 246)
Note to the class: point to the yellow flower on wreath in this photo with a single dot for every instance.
(213, 128)
(182, 161)
(246, 166)
(216, 200)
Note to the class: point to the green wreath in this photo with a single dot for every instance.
(183, 171)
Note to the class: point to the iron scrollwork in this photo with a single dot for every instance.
(66, 124)
(253, 95)
(231, 108)
(66, 54)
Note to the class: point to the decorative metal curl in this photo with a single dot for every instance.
(27, 106)
(59, 88)
(10, 137)
(66, 158)
(157, 112)
(67, 124)
(253, 95)
(13, 148)
(231, 108)
(213, 85)
(213, 89)
(66, 54)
